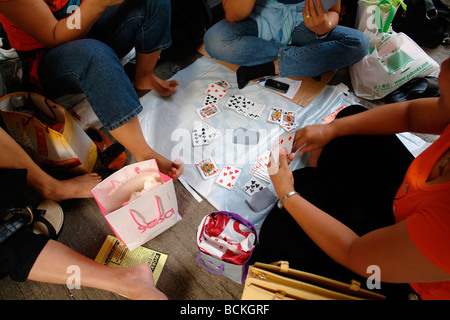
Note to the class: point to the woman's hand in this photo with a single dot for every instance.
(319, 21)
(312, 138)
(281, 175)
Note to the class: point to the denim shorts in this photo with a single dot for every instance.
(92, 65)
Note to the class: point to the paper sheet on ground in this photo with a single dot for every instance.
(294, 85)
(113, 253)
(167, 125)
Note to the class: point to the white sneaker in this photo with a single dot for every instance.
(7, 54)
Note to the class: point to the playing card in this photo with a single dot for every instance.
(228, 176)
(203, 133)
(256, 111)
(216, 90)
(288, 121)
(223, 84)
(252, 186)
(235, 102)
(208, 168)
(275, 115)
(245, 106)
(209, 100)
(208, 111)
(285, 140)
(259, 169)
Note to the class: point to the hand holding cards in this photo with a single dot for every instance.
(286, 141)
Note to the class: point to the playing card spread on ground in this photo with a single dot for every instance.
(284, 118)
(216, 90)
(208, 168)
(275, 115)
(245, 106)
(203, 134)
(288, 120)
(209, 100)
(208, 111)
(228, 176)
(223, 84)
(253, 185)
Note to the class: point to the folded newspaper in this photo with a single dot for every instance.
(114, 253)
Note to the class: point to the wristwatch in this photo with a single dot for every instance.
(280, 202)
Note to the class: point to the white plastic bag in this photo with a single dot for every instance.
(365, 17)
(393, 60)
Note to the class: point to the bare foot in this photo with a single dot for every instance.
(172, 169)
(77, 187)
(163, 87)
(140, 285)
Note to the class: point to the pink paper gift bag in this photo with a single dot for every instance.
(139, 202)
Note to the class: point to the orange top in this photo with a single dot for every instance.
(426, 209)
(20, 40)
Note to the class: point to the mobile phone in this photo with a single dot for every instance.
(276, 85)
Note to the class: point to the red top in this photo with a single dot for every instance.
(21, 41)
(426, 209)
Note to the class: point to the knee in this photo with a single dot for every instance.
(214, 39)
(209, 40)
(360, 46)
(364, 44)
(91, 53)
(161, 8)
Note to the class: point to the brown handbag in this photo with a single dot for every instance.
(276, 281)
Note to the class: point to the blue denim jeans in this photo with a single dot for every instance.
(306, 56)
(91, 65)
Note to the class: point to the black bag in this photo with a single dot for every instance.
(424, 21)
(189, 21)
(13, 214)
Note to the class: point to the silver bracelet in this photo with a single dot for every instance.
(323, 36)
(280, 202)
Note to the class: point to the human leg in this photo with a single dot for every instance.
(309, 56)
(238, 43)
(141, 25)
(130, 135)
(145, 79)
(92, 67)
(14, 157)
(52, 264)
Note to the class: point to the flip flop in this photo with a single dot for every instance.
(415, 89)
(112, 154)
(48, 219)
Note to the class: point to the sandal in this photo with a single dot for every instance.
(415, 89)
(112, 154)
(48, 219)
